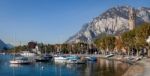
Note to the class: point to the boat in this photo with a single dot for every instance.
(109, 55)
(20, 60)
(60, 59)
(27, 54)
(73, 57)
(71, 61)
(3, 53)
(42, 59)
(74, 60)
(47, 56)
(91, 58)
(138, 58)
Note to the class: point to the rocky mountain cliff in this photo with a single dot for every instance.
(113, 21)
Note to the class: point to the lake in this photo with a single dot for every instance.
(102, 67)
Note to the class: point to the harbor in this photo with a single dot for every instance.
(101, 67)
(74, 37)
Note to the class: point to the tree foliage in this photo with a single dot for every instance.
(106, 42)
(135, 38)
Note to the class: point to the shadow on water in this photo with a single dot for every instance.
(100, 68)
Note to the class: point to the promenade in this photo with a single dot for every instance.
(141, 68)
(146, 65)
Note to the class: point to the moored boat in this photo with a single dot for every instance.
(27, 54)
(42, 59)
(60, 59)
(20, 60)
(91, 58)
(74, 60)
(47, 56)
(109, 55)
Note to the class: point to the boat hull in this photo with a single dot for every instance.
(60, 59)
(19, 62)
(41, 60)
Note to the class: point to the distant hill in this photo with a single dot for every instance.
(112, 21)
(9, 46)
(2, 45)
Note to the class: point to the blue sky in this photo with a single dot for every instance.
(51, 21)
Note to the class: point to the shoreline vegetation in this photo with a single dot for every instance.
(132, 43)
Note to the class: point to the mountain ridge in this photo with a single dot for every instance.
(2, 45)
(113, 21)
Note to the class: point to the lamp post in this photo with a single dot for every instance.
(148, 41)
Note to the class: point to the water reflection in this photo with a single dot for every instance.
(15, 65)
(100, 68)
(106, 68)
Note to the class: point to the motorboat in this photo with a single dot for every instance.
(27, 54)
(74, 60)
(60, 59)
(91, 58)
(109, 55)
(73, 57)
(20, 60)
(47, 56)
(42, 59)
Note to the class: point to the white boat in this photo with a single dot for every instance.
(74, 60)
(60, 59)
(79, 61)
(71, 61)
(27, 54)
(20, 60)
(3, 53)
(91, 58)
(109, 55)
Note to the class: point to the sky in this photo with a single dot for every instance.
(51, 21)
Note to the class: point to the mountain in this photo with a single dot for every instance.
(2, 45)
(114, 21)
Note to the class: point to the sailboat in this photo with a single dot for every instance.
(19, 60)
(43, 58)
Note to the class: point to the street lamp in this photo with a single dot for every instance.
(148, 41)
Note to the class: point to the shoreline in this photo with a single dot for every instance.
(140, 68)
(136, 68)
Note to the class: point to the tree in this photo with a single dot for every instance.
(118, 44)
(106, 42)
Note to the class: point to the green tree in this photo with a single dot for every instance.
(107, 42)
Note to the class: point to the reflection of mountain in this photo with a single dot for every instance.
(113, 21)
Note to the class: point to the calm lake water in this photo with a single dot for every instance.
(100, 68)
